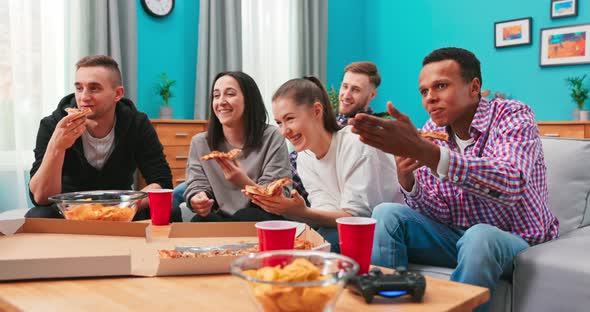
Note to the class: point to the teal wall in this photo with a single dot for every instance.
(168, 45)
(346, 37)
(398, 34)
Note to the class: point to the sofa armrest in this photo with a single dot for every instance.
(554, 276)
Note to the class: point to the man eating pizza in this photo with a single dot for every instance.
(95, 140)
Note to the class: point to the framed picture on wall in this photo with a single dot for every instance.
(513, 32)
(567, 45)
(564, 8)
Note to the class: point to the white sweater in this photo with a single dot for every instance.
(352, 176)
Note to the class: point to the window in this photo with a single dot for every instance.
(31, 84)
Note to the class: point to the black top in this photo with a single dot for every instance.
(136, 147)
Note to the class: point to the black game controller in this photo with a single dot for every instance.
(400, 283)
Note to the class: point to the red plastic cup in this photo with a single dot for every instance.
(356, 240)
(276, 235)
(160, 206)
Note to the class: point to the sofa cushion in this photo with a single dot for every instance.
(554, 276)
(568, 180)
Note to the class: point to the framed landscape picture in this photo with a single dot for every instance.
(567, 45)
(513, 32)
(564, 8)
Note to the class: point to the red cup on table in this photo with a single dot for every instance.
(356, 240)
(160, 206)
(276, 235)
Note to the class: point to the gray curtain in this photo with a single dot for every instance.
(220, 46)
(313, 37)
(111, 29)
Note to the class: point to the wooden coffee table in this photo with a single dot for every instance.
(205, 292)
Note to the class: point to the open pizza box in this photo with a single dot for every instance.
(147, 262)
(57, 248)
(54, 248)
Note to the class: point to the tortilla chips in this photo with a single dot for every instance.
(281, 298)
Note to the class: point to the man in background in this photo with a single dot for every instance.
(357, 90)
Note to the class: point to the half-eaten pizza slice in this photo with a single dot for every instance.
(439, 135)
(78, 112)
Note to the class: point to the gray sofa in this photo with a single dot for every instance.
(554, 276)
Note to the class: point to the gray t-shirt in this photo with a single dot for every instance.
(263, 165)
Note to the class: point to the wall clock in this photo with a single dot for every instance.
(158, 8)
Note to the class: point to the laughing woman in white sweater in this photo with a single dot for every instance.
(343, 176)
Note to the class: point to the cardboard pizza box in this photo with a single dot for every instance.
(54, 248)
(147, 262)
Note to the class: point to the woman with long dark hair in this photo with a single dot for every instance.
(238, 120)
(343, 176)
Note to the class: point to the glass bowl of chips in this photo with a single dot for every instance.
(99, 205)
(294, 280)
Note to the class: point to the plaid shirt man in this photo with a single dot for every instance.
(498, 180)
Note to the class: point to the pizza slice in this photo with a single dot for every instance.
(300, 243)
(231, 155)
(78, 112)
(272, 189)
(256, 190)
(439, 135)
(276, 187)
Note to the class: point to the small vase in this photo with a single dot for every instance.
(583, 115)
(576, 115)
(165, 112)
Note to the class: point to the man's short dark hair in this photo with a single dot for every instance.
(102, 61)
(367, 68)
(469, 64)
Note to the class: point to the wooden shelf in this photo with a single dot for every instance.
(565, 129)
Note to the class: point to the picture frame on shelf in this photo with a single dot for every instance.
(514, 32)
(566, 45)
(564, 8)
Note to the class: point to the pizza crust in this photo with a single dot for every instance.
(443, 136)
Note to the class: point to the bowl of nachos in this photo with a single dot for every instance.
(294, 280)
(112, 205)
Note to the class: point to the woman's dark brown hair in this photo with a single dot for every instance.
(307, 91)
(255, 116)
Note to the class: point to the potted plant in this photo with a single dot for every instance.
(163, 89)
(579, 94)
(333, 95)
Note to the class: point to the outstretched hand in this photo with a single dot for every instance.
(398, 136)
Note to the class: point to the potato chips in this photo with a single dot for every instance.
(99, 212)
(281, 298)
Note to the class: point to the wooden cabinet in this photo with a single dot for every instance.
(175, 136)
(565, 129)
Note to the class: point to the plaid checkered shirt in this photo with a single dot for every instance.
(498, 180)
